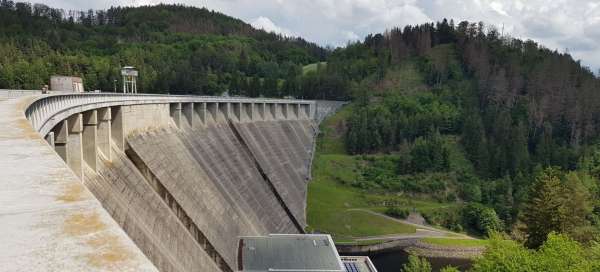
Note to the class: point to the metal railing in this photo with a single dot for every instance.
(47, 110)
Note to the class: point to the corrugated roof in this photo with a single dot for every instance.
(289, 252)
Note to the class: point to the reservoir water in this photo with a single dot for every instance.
(392, 261)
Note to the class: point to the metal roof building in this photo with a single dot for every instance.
(296, 253)
(289, 252)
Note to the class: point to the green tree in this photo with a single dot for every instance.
(474, 140)
(416, 264)
(557, 253)
(449, 269)
(543, 211)
(255, 88)
(481, 218)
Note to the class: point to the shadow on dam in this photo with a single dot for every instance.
(185, 195)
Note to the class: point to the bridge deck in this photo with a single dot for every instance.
(50, 221)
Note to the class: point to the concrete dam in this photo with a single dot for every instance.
(110, 182)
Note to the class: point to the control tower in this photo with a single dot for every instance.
(130, 75)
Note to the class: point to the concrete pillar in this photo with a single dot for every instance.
(272, 112)
(60, 139)
(225, 110)
(74, 145)
(279, 109)
(175, 111)
(50, 138)
(251, 111)
(285, 110)
(213, 109)
(117, 129)
(236, 108)
(188, 113)
(247, 112)
(262, 111)
(104, 132)
(294, 112)
(90, 135)
(200, 109)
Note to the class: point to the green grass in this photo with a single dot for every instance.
(455, 242)
(331, 199)
(331, 139)
(405, 79)
(313, 67)
(330, 202)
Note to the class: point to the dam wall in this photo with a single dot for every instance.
(183, 177)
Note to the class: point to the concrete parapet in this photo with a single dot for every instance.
(50, 220)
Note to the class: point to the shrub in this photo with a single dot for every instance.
(397, 212)
(481, 218)
(416, 264)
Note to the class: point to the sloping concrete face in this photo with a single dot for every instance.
(283, 149)
(181, 177)
(134, 203)
(215, 181)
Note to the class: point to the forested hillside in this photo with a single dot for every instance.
(458, 114)
(177, 49)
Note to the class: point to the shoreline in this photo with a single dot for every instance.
(413, 246)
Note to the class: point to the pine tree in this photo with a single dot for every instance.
(543, 211)
(474, 141)
(519, 153)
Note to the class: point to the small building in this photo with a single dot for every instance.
(68, 84)
(130, 75)
(295, 253)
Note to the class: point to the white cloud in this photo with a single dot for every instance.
(351, 36)
(266, 24)
(557, 24)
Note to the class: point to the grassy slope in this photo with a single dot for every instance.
(330, 202)
(312, 67)
(329, 199)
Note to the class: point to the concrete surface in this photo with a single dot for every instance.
(107, 182)
(50, 221)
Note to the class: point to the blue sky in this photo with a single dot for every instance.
(572, 26)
